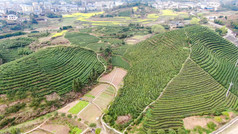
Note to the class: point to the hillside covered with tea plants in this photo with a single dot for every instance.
(49, 70)
(175, 75)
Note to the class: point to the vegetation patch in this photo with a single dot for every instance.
(81, 39)
(78, 107)
(59, 34)
(120, 62)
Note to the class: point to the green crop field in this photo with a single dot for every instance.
(81, 39)
(120, 62)
(197, 86)
(49, 70)
(85, 40)
(78, 107)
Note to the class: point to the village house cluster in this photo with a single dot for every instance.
(207, 5)
(15, 10)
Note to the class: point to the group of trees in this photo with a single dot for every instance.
(222, 31)
(157, 29)
(234, 25)
(11, 35)
(78, 84)
(220, 22)
(53, 15)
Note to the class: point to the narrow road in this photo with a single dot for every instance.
(229, 36)
(36, 127)
(227, 125)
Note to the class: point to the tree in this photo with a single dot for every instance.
(222, 31)
(204, 20)
(161, 131)
(108, 118)
(108, 51)
(172, 131)
(98, 131)
(77, 85)
(211, 125)
(181, 131)
(15, 131)
(194, 21)
(92, 125)
(157, 29)
(149, 131)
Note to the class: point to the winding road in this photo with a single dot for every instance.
(229, 36)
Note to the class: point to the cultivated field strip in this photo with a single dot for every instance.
(49, 70)
(192, 92)
(154, 63)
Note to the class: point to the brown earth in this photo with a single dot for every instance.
(123, 119)
(57, 129)
(116, 76)
(193, 121)
(52, 97)
(134, 40)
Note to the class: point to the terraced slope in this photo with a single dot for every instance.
(49, 70)
(192, 92)
(199, 89)
(154, 63)
(215, 55)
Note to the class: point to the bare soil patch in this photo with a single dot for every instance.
(40, 132)
(116, 76)
(90, 114)
(123, 119)
(136, 39)
(52, 97)
(193, 121)
(60, 41)
(57, 129)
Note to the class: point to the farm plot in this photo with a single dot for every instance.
(105, 98)
(90, 114)
(55, 35)
(192, 92)
(78, 107)
(120, 62)
(68, 107)
(102, 94)
(95, 92)
(115, 77)
(49, 70)
(85, 40)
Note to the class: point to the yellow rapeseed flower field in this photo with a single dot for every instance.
(59, 34)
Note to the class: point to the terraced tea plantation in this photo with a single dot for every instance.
(193, 67)
(154, 63)
(49, 70)
(192, 92)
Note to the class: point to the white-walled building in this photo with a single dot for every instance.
(12, 17)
